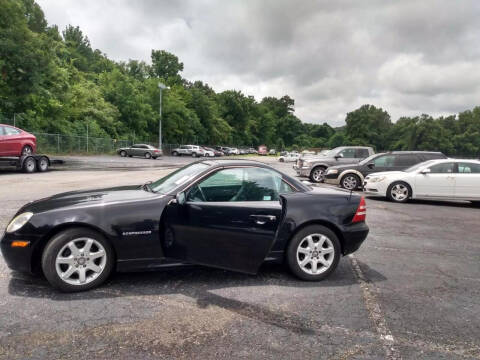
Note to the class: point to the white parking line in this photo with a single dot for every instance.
(375, 312)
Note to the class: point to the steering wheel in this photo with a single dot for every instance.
(196, 194)
(240, 192)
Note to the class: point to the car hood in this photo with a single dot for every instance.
(89, 197)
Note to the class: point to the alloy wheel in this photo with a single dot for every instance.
(80, 261)
(399, 192)
(315, 254)
(350, 182)
(318, 174)
(27, 150)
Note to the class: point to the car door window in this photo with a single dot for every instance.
(2, 131)
(240, 184)
(443, 168)
(361, 153)
(384, 161)
(10, 131)
(405, 161)
(468, 168)
(348, 153)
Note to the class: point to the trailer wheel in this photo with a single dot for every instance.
(42, 164)
(29, 165)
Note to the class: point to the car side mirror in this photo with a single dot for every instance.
(371, 165)
(338, 156)
(425, 171)
(180, 198)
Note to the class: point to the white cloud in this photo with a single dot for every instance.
(406, 56)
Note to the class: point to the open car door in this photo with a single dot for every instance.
(228, 220)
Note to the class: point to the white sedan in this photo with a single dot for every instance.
(289, 157)
(446, 179)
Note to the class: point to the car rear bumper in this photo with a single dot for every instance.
(301, 171)
(353, 237)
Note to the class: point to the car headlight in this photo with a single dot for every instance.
(377, 179)
(306, 164)
(332, 171)
(18, 222)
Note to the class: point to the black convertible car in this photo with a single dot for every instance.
(230, 214)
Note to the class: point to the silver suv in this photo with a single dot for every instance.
(191, 150)
(315, 167)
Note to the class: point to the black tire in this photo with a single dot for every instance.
(147, 155)
(27, 150)
(397, 198)
(130, 155)
(350, 181)
(174, 153)
(42, 164)
(299, 238)
(281, 160)
(476, 203)
(315, 174)
(56, 243)
(123, 153)
(29, 165)
(154, 157)
(194, 154)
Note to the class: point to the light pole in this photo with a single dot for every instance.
(161, 87)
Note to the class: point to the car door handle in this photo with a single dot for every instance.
(262, 219)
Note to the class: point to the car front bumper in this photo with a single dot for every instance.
(18, 258)
(376, 189)
(333, 179)
(301, 171)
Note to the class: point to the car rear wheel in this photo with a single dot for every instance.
(42, 164)
(317, 174)
(147, 155)
(77, 259)
(194, 154)
(399, 191)
(27, 150)
(281, 160)
(350, 182)
(123, 153)
(313, 253)
(174, 153)
(29, 165)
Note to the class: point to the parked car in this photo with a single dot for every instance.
(214, 151)
(143, 150)
(252, 151)
(78, 238)
(315, 167)
(445, 179)
(308, 153)
(272, 152)
(16, 142)
(190, 150)
(235, 151)
(289, 157)
(351, 176)
(262, 150)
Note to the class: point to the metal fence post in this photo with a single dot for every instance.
(58, 143)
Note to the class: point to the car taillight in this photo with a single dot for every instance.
(361, 213)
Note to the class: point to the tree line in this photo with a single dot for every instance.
(58, 83)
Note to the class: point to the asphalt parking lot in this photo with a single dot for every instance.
(412, 291)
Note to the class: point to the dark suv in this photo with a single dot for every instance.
(351, 176)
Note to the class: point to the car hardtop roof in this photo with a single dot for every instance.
(414, 152)
(227, 162)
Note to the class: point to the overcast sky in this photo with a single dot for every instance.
(409, 57)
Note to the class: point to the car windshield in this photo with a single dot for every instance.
(177, 178)
(418, 166)
(329, 153)
(368, 159)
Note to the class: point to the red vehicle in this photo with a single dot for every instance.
(16, 142)
(262, 150)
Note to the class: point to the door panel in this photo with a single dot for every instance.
(439, 183)
(468, 181)
(230, 235)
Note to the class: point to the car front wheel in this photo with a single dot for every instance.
(174, 153)
(350, 182)
(317, 174)
(148, 155)
(123, 153)
(399, 192)
(77, 259)
(313, 253)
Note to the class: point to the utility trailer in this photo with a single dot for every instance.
(29, 163)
